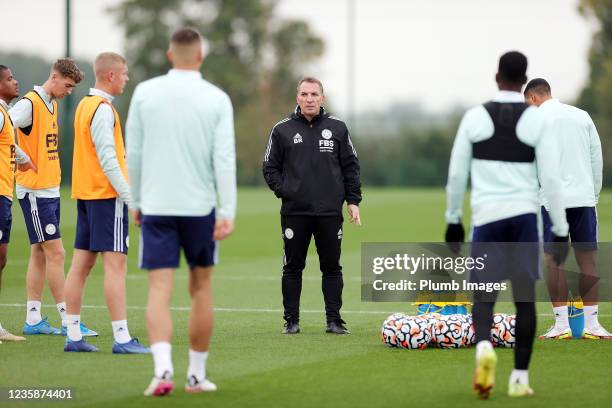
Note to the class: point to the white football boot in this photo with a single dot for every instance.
(516, 389)
(557, 333)
(596, 333)
(160, 386)
(195, 386)
(5, 335)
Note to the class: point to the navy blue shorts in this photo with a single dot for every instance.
(102, 225)
(6, 219)
(511, 248)
(42, 217)
(582, 228)
(163, 237)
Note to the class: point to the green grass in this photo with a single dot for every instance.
(253, 364)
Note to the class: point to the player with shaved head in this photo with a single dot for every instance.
(100, 186)
(501, 149)
(580, 152)
(182, 166)
(186, 48)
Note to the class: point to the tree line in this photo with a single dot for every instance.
(258, 59)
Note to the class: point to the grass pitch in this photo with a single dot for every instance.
(253, 364)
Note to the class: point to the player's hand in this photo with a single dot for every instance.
(454, 236)
(560, 249)
(137, 217)
(27, 166)
(353, 212)
(223, 228)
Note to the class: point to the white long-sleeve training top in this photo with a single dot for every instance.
(502, 189)
(180, 147)
(103, 137)
(579, 149)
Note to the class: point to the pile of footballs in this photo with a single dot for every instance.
(443, 331)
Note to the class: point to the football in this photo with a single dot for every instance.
(409, 332)
(503, 332)
(389, 329)
(414, 333)
(450, 331)
(432, 318)
(469, 334)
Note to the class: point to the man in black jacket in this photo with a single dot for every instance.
(311, 164)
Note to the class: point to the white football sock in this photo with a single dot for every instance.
(482, 346)
(120, 331)
(0, 326)
(561, 317)
(61, 309)
(197, 364)
(590, 317)
(162, 358)
(33, 312)
(73, 323)
(519, 376)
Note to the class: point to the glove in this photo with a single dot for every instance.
(454, 236)
(560, 249)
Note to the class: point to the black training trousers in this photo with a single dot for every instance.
(297, 231)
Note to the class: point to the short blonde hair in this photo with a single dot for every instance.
(66, 67)
(105, 60)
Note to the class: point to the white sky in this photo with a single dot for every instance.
(437, 52)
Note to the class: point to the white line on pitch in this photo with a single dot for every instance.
(249, 310)
(218, 309)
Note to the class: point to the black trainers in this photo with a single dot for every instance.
(291, 327)
(337, 327)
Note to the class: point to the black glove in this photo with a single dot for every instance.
(560, 249)
(454, 236)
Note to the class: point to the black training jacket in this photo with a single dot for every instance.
(312, 166)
